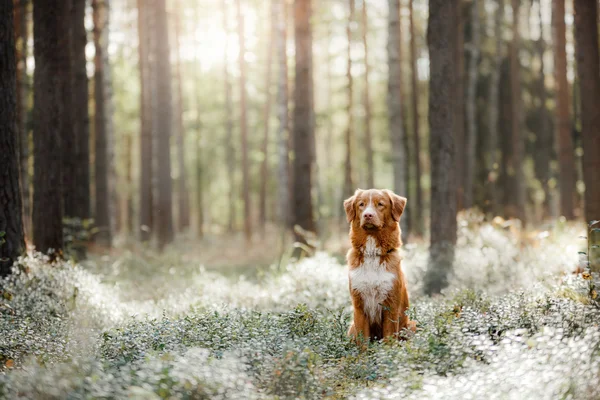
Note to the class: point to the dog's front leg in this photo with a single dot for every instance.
(391, 319)
(360, 330)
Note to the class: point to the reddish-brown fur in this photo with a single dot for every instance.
(385, 230)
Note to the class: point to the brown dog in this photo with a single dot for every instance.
(377, 284)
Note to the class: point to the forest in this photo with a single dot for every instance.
(172, 184)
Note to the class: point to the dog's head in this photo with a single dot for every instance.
(374, 209)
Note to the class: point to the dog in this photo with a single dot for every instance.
(376, 282)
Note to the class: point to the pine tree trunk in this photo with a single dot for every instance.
(471, 108)
(348, 179)
(244, 125)
(129, 211)
(442, 53)
(146, 205)
(588, 70)
(418, 204)
(81, 118)
(367, 100)
(164, 204)
(51, 53)
(182, 184)
(264, 167)
(566, 155)
(283, 164)
(12, 241)
(303, 131)
(394, 103)
(101, 145)
(202, 184)
(230, 149)
(459, 101)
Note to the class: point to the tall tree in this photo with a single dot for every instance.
(244, 124)
(471, 108)
(588, 69)
(303, 131)
(201, 182)
(229, 148)
(146, 197)
(441, 41)
(348, 179)
(264, 166)
(367, 99)
(12, 242)
(164, 204)
(418, 204)
(183, 194)
(566, 155)
(81, 119)
(394, 102)
(459, 99)
(51, 53)
(280, 15)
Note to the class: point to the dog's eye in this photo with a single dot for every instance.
(380, 204)
(361, 204)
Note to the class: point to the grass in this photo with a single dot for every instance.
(514, 323)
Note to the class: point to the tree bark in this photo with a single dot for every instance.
(103, 200)
(244, 125)
(471, 108)
(442, 52)
(588, 69)
(303, 131)
(367, 100)
(419, 227)
(566, 155)
(282, 114)
(459, 100)
(348, 179)
(164, 113)
(12, 241)
(230, 149)
(394, 103)
(146, 197)
(51, 53)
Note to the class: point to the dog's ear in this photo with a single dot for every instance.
(398, 204)
(349, 206)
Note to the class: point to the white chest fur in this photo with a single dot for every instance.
(372, 280)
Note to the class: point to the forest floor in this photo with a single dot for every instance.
(216, 321)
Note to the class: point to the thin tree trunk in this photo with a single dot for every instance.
(441, 40)
(103, 200)
(230, 149)
(282, 113)
(471, 108)
(348, 179)
(264, 167)
(566, 155)
(201, 182)
(367, 100)
(129, 225)
(459, 101)
(244, 125)
(394, 103)
(51, 53)
(182, 184)
(146, 206)
(303, 132)
(588, 69)
(419, 227)
(12, 241)
(164, 113)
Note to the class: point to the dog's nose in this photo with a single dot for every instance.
(368, 215)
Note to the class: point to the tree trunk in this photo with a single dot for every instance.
(51, 53)
(440, 36)
(164, 113)
(129, 224)
(516, 198)
(22, 52)
(201, 182)
(491, 150)
(230, 149)
(244, 125)
(459, 101)
(282, 114)
(303, 132)
(394, 103)
(419, 227)
(264, 167)
(12, 241)
(588, 69)
(146, 206)
(471, 108)
(182, 185)
(566, 155)
(103, 200)
(348, 179)
(367, 100)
